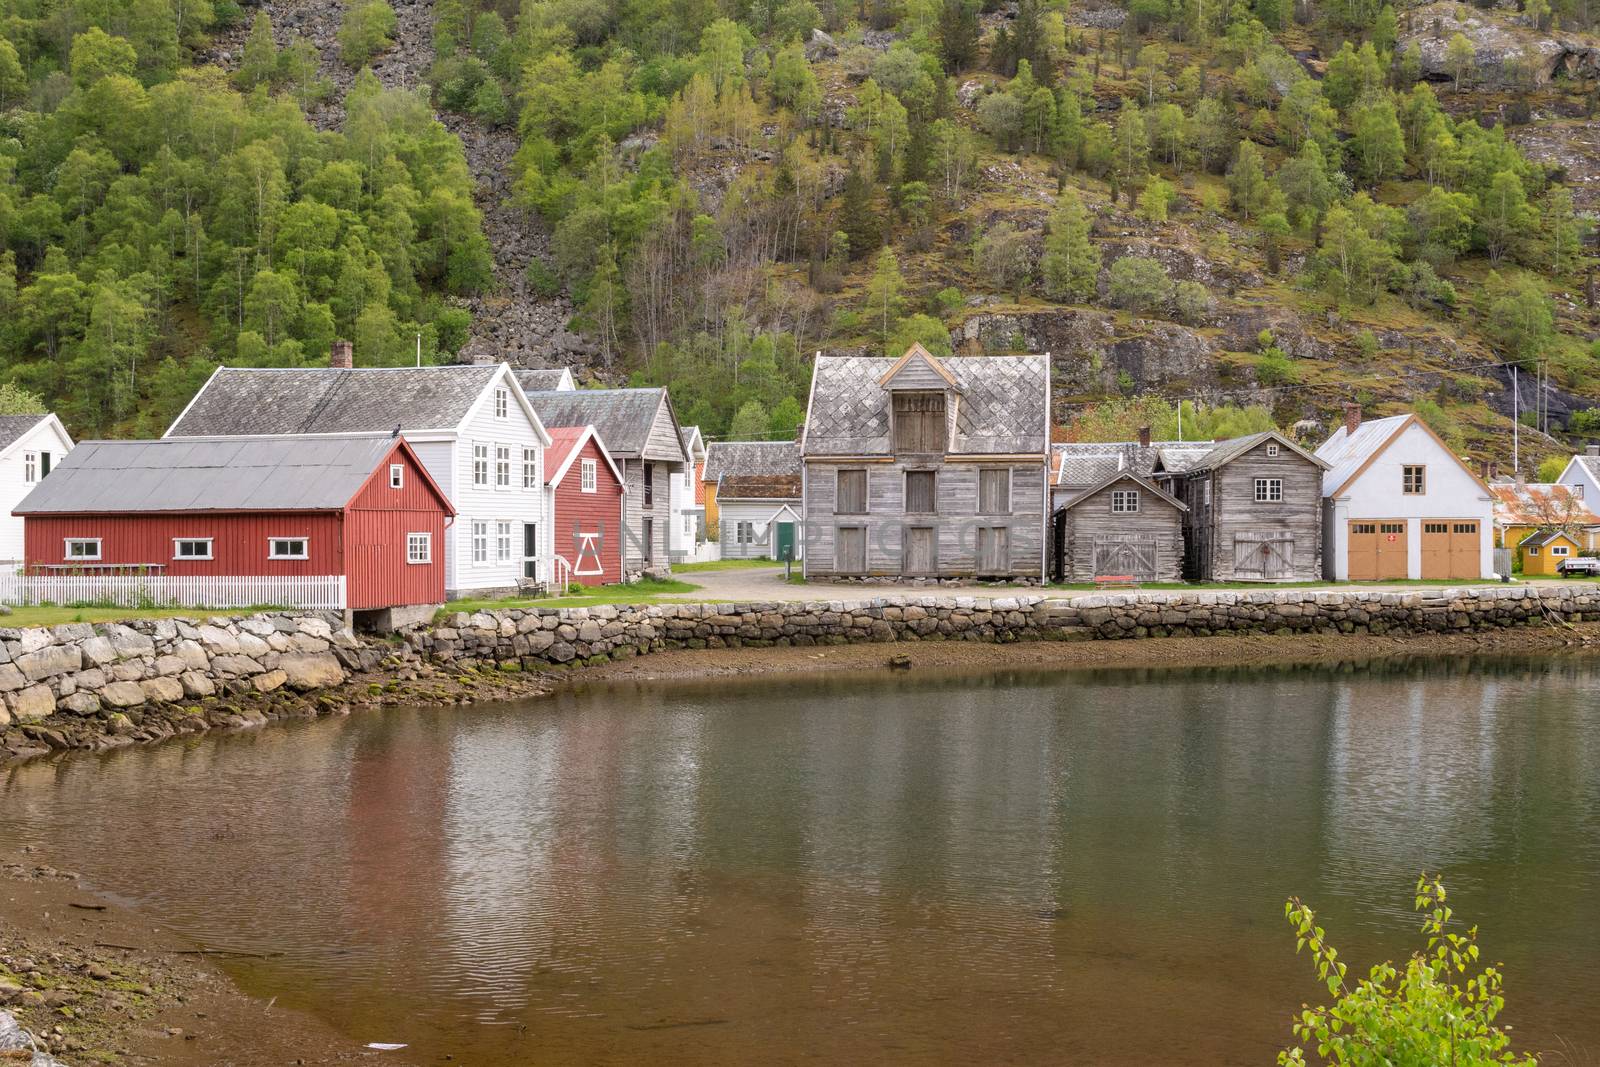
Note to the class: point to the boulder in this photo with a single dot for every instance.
(49, 662)
(130, 643)
(267, 681)
(236, 665)
(80, 703)
(163, 689)
(311, 670)
(11, 678)
(98, 651)
(219, 640)
(31, 704)
(196, 684)
(123, 694)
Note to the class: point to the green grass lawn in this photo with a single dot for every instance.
(644, 591)
(722, 565)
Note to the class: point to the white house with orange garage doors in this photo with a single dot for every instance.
(1398, 503)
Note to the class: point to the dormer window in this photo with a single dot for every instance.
(919, 423)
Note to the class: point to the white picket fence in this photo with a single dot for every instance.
(312, 591)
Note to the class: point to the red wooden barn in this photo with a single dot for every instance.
(586, 506)
(357, 505)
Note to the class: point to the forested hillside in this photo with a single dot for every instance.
(1268, 207)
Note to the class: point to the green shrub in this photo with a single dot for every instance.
(1274, 367)
(1193, 302)
(368, 29)
(1586, 422)
(545, 281)
(1138, 284)
(1433, 1011)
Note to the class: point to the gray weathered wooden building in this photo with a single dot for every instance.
(1110, 519)
(921, 467)
(1254, 508)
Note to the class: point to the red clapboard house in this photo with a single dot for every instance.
(274, 517)
(586, 504)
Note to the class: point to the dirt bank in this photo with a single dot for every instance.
(1225, 650)
(100, 984)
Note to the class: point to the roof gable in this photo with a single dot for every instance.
(918, 369)
(16, 430)
(744, 458)
(567, 444)
(624, 418)
(1348, 456)
(1546, 537)
(1125, 476)
(1226, 452)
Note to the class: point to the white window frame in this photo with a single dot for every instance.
(502, 403)
(1560, 550)
(478, 532)
(30, 467)
(1272, 451)
(503, 546)
(1124, 501)
(480, 465)
(397, 476)
(419, 547)
(588, 475)
(530, 467)
(745, 533)
(1269, 490)
(304, 553)
(178, 541)
(502, 466)
(71, 557)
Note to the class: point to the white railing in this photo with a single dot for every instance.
(311, 591)
(563, 574)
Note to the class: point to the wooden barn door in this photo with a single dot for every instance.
(994, 552)
(919, 558)
(1363, 553)
(1436, 550)
(1466, 541)
(1268, 555)
(1393, 556)
(1450, 549)
(850, 550)
(1116, 557)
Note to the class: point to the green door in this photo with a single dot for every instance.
(785, 545)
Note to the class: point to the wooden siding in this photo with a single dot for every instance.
(598, 513)
(43, 437)
(956, 523)
(489, 503)
(1212, 530)
(1157, 524)
(756, 513)
(664, 443)
(660, 511)
(376, 526)
(238, 541)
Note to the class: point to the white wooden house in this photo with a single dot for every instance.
(691, 542)
(760, 516)
(30, 445)
(471, 426)
(1398, 503)
(1582, 474)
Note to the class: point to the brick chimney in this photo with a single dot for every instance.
(1144, 437)
(1352, 419)
(342, 356)
(1494, 470)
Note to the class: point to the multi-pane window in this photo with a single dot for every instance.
(419, 547)
(480, 542)
(746, 533)
(502, 403)
(1560, 550)
(397, 475)
(1124, 501)
(1413, 479)
(649, 485)
(83, 548)
(850, 493)
(480, 464)
(994, 491)
(920, 492)
(30, 467)
(1269, 490)
(502, 466)
(502, 541)
(530, 468)
(588, 470)
(191, 548)
(1272, 451)
(288, 548)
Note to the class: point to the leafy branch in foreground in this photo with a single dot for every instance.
(1431, 1014)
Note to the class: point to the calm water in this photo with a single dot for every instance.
(1081, 868)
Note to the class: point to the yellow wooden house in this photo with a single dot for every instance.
(1543, 552)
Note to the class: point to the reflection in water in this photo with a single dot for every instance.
(1021, 867)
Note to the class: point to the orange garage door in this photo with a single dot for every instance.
(1450, 549)
(1377, 551)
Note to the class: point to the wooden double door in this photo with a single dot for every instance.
(1452, 548)
(1379, 550)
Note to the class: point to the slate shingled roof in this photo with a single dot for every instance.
(538, 380)
(744, 458)
(245, 401)
(622, 417)
(1225, 452)
(1083, 463)
(758, 487)
(1003, 406)
(210, 474)
(14, 426)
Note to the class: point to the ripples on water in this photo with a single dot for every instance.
(1077, 867)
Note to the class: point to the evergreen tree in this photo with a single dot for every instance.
(1070, 266)
(958, 35)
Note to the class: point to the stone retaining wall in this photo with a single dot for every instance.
(103, 671)
(539, 638)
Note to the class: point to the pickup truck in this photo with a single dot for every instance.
(1582, 565)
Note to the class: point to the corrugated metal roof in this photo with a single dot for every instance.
(1003, 406)
(210, 474)
(252, 401)
(622, 417)
(14, 426)
(1539, 504)
(1345, 453)
(743, 458)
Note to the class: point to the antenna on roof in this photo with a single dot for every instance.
(419, 361)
